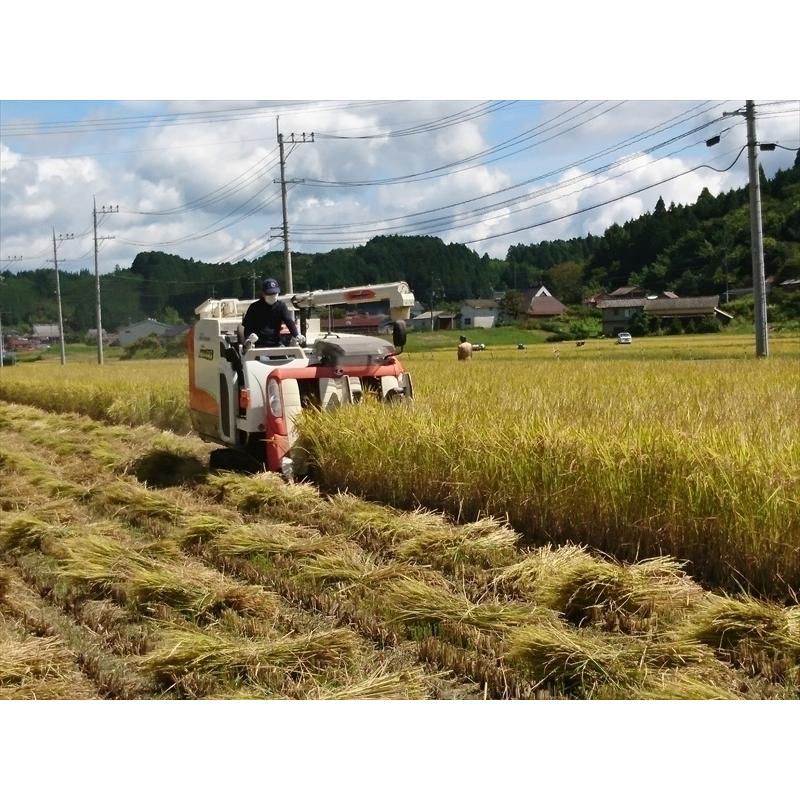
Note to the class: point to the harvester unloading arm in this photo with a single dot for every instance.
(399, 295)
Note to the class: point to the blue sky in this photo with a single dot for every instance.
(207, 190)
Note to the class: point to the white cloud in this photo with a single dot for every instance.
(227, 169)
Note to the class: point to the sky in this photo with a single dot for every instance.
(198, 179)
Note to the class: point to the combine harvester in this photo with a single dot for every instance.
(246, 397)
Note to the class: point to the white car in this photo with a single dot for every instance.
(624, 338)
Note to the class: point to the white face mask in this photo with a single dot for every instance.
(270, 299)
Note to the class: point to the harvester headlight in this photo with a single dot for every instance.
(274, 398)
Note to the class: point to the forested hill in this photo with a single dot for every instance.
(690, 249)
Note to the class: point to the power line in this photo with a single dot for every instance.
(110, 125)
(606, 151)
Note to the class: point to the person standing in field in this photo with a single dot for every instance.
(464, 349)
(265, 317)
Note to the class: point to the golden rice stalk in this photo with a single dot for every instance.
(4, 581)
(186, 649)
(347, 568)
(725, 623)
(31, 658)
(576, 660)
(381, 525)
(675, 686)
(200, 528)
(135, 501)
(412, 601)
(581, 586)
(21, 532)
(405, 684)
(269, 540)
(485, 543)
(252, 493)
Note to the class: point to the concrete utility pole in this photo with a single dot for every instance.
(756, 239)
(103, 210)
(287, 253)
(61, 238)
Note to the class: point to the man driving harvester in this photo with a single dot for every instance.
(265, 317)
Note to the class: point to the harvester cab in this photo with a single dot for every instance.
(247, 398)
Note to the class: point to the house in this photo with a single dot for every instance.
(545, 305)
(618, 311)
(791, 284)
(45, 332)
(442, 321)
(479, 313)
(140, 330)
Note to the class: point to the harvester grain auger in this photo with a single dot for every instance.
(246, 397)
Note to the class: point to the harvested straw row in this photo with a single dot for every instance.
(184, 649)
(112, 675)
(589, 590)
(584, 661)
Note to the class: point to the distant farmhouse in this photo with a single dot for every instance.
(149, 327)
(479, 313)
(539, 303)
(45, 332)
(619, 309)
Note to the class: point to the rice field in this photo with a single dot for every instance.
(229, 586)
(673, 446)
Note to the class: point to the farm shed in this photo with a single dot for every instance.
(442, 321)
(617, 312)
(45, 332)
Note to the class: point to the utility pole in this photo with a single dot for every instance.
(756, 240)
(103, 210)
(287, 253)
(61, 238)
(9, 260)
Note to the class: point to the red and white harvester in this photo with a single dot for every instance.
(247, 398)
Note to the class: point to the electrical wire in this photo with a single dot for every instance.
(660, 128)
(607, 202)
(109, 125)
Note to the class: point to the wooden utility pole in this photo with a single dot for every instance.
(103, 210)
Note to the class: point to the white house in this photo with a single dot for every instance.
(139, 330)
(479, 313)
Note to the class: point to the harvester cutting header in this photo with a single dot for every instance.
(247, 388)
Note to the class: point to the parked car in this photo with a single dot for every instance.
(624, 338)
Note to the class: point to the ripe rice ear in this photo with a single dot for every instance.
(137, 502)
(200, 528)
(412, 601)
(725, 623)
(21, 532)
(31, 658)
(251, 493)
(385, 527)
(407, 684)
(588, 589)
(577, 660)
(269, 540)
(186, 649)
(680, 687)
(347, 568)
(487, 545)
